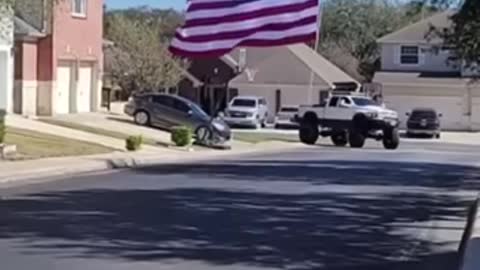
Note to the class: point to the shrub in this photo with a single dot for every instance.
(134, 143)
(181, 136)
(2, 127)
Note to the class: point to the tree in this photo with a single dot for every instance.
(139, 60)
(464, 35)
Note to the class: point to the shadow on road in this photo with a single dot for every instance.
(313, 230)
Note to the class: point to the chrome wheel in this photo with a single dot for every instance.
(142, 118)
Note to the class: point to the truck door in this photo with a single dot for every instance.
(331, 114)
(345, 110)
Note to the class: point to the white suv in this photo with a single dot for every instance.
(249, 111)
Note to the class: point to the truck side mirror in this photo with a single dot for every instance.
(343, 104)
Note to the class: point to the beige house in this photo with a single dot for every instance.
(416, 72)
(286, 75)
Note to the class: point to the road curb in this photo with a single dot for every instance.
(82, 165)
(469, 249)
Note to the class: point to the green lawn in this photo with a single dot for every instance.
(35, 145)
(254, 137)
(100, 131)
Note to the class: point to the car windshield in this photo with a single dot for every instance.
(364, 102)
(244, 103)
(289, 109)
(198, 111)
(423, 114)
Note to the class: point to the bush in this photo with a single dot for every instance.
(2, 127)
(181, 136)
(134, 143)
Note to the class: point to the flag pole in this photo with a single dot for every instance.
(315, 47)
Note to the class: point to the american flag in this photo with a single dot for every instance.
(215, 27)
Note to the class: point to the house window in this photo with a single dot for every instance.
(79, 8)
(409, 55)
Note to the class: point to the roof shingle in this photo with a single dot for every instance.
(418, 32)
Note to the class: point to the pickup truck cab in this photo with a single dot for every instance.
(349, 119)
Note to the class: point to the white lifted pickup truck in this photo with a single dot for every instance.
(350, 119)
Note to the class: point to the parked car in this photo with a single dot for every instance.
(423, 121)
(249, 111)
(168, 111)
(286, 117)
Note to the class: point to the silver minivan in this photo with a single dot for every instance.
(248, 111)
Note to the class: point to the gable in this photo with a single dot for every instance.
(281, 66)
(418, 32)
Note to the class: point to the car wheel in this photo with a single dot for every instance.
(203, 135)
(356, 139)
(438, 136)
(308, 132)
(142, 118)
(339, 138)
(391, 139)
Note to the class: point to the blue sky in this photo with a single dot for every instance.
(176, 4)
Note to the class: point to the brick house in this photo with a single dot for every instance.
(58, 56)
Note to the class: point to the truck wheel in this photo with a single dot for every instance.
(391, 138)
(308, 132)
(357, 140)
(360, 123)
(339, 138)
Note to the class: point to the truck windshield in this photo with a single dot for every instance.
(364, 102)
(244, 103)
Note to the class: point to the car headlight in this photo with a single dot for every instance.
(250, 114)
(218, 126)
(372, 115)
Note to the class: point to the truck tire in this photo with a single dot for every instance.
(308, 132)
(357, 139)
(339, 138)
(391, 138)
(360, 123)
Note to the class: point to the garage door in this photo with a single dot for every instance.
(84, 88)
(451, 107)
(64, 84)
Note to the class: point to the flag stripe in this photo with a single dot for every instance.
(217, 5)
(239, 17)
(255, 23)
(215, 27)
(245, 8)
(231, 43)
(247, 32)
(246, 43)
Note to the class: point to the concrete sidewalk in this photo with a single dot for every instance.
(29, 124)
(116, 123)
(124, 124)
(21, 171)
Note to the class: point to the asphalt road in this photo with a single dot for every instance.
(312, 208)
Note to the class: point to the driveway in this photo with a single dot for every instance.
(312, 208)
(117, 123)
